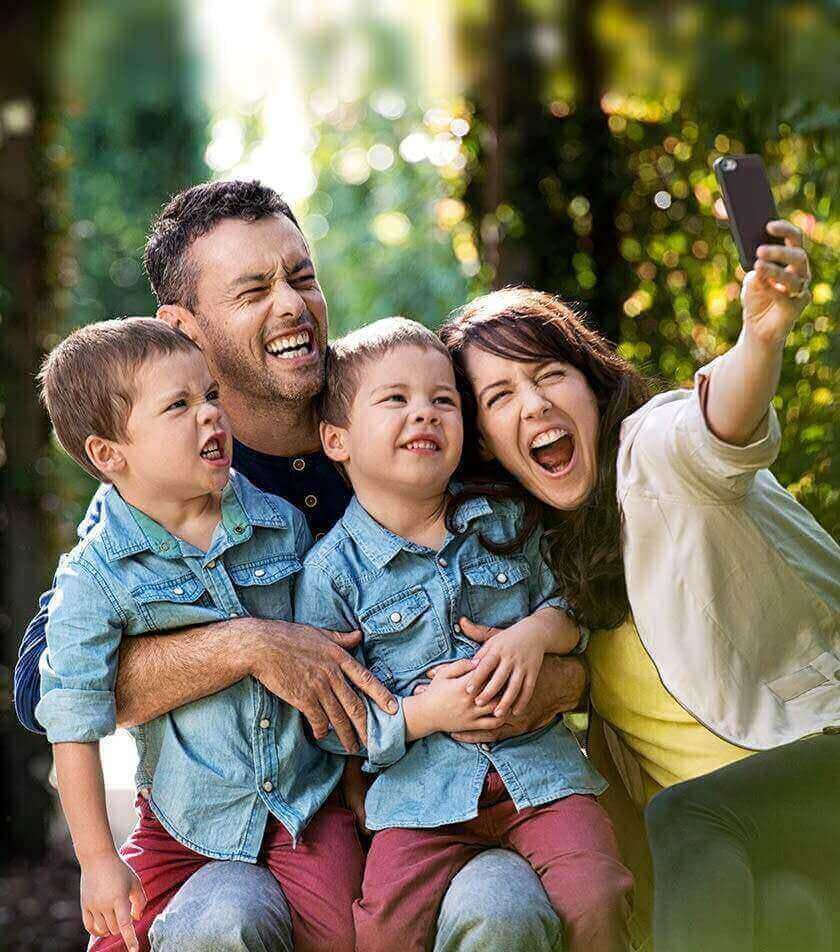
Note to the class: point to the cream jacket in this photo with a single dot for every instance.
(734, 587)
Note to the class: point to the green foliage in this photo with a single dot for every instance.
(131, 132)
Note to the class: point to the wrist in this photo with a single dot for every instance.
(253, 642)
(419, 721)
(96, 855)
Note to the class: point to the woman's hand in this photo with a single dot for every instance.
(775, 292)
(507, 664)
(111, 897)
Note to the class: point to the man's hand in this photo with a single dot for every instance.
(310, 669)
(560, 686)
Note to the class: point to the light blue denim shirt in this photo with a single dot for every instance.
(407, 599)
(216, 767)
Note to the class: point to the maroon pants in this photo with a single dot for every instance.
(570, 843)
(320, 877)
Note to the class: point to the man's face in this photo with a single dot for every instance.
(260, 312)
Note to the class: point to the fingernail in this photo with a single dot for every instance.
(393, 707)
(498, 712)
(470, 689)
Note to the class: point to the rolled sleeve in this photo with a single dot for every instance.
(386, 737)
(78, 670)
(77, 715)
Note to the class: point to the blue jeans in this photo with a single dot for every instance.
(495, 904)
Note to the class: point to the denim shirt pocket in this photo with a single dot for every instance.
(496, 589)
(174, 602)
(403, 632)
(264, 585)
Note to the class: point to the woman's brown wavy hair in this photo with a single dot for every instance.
(582, 546)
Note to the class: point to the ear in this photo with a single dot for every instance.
(105, 455)
(182, 320)
(334, 441)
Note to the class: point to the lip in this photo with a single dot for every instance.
(221, 437)
(304, 359)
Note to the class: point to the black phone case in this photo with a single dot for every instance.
(749, 203)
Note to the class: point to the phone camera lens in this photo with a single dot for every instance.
(729, 165)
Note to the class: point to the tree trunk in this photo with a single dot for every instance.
(27, 306)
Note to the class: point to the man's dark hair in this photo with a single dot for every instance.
(191, 214)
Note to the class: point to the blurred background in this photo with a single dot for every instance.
(432, 151)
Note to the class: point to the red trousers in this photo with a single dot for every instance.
(570, 844)
(320, 877)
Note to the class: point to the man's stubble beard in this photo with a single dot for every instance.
(236, 370)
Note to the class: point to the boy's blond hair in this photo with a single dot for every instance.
(88, 381)
(348, 357)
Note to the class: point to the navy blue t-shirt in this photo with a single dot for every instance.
(310, 481)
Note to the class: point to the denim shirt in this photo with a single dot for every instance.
(406, 600)
(218, 766)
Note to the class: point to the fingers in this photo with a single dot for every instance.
(455, 669)
(794, 256)
(478, 736)
(496, 683)
(87, 922)
(340, 722)
(486, 666)
(369, 685)
(138, 900)
(345, 639)
(100, 926)
(318, 720)
(354, 708)
(125, 927)
(443, 668)
(420, 688)
(785, 229)
(780, 278)
(511, 694)
(476, 632)
(525, 695)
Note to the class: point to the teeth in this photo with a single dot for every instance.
(212, 450)
(289, 346)
(421, 445)
(550, 436)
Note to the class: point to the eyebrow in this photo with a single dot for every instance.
(183, 392)
(538, 366)
(392, 386)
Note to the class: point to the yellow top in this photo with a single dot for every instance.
(669, 744)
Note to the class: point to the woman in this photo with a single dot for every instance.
(714, 594)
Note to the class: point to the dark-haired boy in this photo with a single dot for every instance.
(413, 563)
(182, 539)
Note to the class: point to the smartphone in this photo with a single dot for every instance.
(749, 203)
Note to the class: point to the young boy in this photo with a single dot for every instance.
(407, 566)
(182, 541)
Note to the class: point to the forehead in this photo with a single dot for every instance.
(409, 364)
(235, 247)
(168, 371)
(481, 364)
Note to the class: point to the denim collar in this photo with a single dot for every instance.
(127, 530)
(380, 545)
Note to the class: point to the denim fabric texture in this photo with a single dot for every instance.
(407, 599)
(213, 769)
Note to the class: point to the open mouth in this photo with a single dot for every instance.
(425, 446)
(290, 346)
(553, 450)
(214, 450)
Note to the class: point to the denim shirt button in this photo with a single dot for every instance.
(239, 528)
(442, 563)
(484, 748)
(177, 591)
(265, 722)
(501, 577)
(211, 564)
(268, 786)
(395, 617)
(456, 628)
(259, 573)
(164, 546)
(234, 614)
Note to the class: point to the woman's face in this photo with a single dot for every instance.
(540, 421)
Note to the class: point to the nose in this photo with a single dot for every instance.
(534, 403)
(286, 302)
(209, 412)
(428, 413)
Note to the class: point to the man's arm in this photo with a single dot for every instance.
(27, 684)
(307, 667)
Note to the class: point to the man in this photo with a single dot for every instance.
(230, 268)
